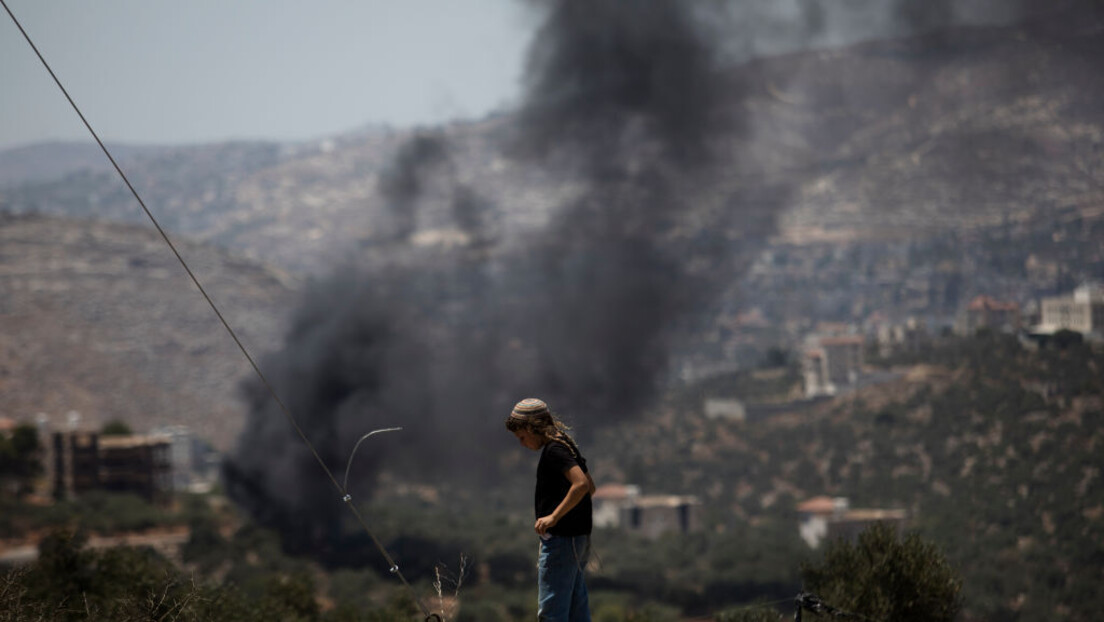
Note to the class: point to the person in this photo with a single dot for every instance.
(563, 512)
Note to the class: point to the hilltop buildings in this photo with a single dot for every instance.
(827, 518)
(985, 312)
(81, 461)
(151, 466)
(1081, 312)
(832, 363)
(623, 507)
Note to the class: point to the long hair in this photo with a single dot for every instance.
(535, 416)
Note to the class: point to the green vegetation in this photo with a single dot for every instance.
(116, 428)
(990, 446)
(884, 578)
(96, 511)
(20, 461)
(72, 582)
(229, 565)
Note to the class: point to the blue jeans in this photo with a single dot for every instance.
(562, 593)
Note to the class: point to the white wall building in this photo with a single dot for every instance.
(1083, 312)
(830, 518)
(832, 364)
(623, 507)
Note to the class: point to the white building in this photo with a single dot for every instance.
(986, 312)
(1083, 312)
(721, 408)
(831, 518)
(623, 507)
(832, 364)
(194, 462)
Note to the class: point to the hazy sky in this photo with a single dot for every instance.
(182, 71)
(185, 71)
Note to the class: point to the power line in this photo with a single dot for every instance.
(345, 496)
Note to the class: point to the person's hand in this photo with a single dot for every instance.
(545, 523)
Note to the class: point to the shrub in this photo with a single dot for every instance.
(885, 578)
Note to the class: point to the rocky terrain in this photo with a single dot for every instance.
(904, 175)
(884, 140)
(991, 448)
(100, 319)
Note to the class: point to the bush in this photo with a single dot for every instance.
(885, 578)
(760, 614)
(115, 427)
(19, 461)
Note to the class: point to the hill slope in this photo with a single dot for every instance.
(890, 139)
(992, 448)
(100, 318)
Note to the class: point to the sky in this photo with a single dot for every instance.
(191, 71)
(181, 72)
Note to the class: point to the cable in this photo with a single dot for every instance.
(813, 603)
(287, 413)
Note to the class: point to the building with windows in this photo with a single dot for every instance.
(985, 312)
(136, 464)
(831, 518)
(832, 364)
(82, 461)
(195, 464)
(75, 463)
(623, 507)
(1082, 312)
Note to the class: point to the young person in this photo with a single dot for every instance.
(563, 512)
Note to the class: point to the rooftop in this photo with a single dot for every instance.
(982, 303)
(132, 440)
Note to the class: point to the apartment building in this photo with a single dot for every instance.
(82, 461)
(1082, 312)
(824, 519)
(623, 507)
(831, 364)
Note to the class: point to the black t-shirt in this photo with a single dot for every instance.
(552, 486)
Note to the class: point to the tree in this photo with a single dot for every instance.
(115, 427)
(885, 578)
(1064, 339)
(19, 460)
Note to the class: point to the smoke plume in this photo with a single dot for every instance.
(624, 99)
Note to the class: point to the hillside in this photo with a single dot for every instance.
(100, 319)
(884, 140)
(882, 180)
(45, 162)
(888, 180)
(991, 447)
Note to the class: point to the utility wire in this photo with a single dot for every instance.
(813, 603)
(804, 600)
(346, 497)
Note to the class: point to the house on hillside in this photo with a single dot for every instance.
(136, 464)
(891, 337)
(985, 312)
(729, 409)
(620, 506)
(831, 364)
(1081, 312)
(831, 518)
(74, 463)
(195, 464)
(81, 461)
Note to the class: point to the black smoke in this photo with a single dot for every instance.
(629, 103)
(404, 181)
(625, 101)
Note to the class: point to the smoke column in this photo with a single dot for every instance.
(623, 98)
